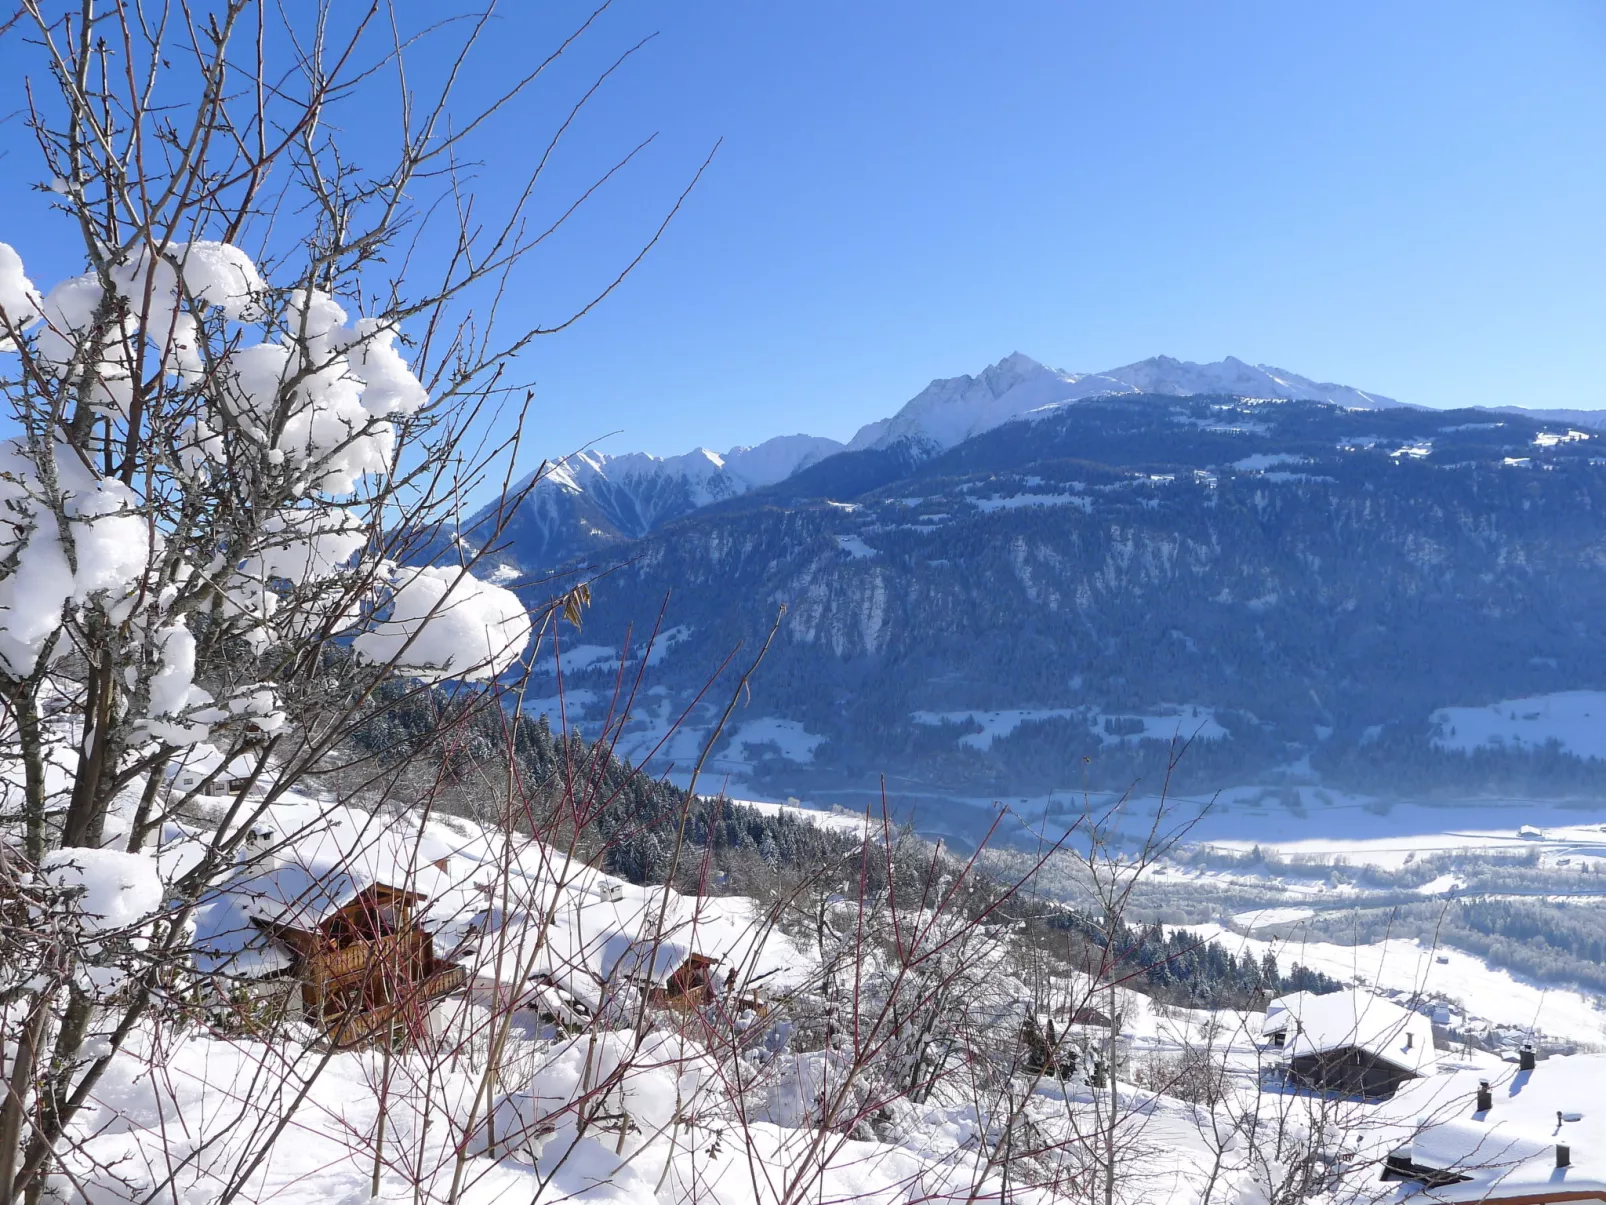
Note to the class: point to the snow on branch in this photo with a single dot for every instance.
(283, 403)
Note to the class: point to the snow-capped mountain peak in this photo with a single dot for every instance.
(947, 412)
(708, 475)
(1163, 374)
(950, 411)
(593, 498)
(777, 459)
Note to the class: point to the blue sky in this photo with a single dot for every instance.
(1409, 198)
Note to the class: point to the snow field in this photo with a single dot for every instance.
(1184, 723)
(1575, 719)
(1406, 965)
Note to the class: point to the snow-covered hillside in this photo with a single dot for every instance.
(1574, 720)
(1408, 967)
(559, 1073)
(614, 1042)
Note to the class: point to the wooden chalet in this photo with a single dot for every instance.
(365, 968)
(694, 985)
(1350, 1070)
(689, 986)
(1088, 1015)
(330, 929)
(1352, 1042)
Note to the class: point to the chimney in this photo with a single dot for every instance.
(1409, 1036)
(260, 846)
(1525, 1057)
(1485, 1097)
(1564, 1155)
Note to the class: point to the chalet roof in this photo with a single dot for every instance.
(1282, 1010)
(1082, 1018)
(592, 937)
(1357, 1019)
(1510, 1151)
(298, 897)
(316, 860)
(199, 760)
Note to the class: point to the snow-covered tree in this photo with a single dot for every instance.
(237, 433)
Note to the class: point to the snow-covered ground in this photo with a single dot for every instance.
(1408, 966)
(681, 1141)
(1180, 723)
(994, 724)
(1395, 850)
(1575, 719)
(1016, 501)
(787, 737)
(1265, 918)
(1323, 822)
(610, 1114)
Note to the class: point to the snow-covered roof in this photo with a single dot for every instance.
(200, 760)
(591, 938)
(513, 911)
(315, 859)
(1509, 1151)
(1357, 1018)
(1282, 1010)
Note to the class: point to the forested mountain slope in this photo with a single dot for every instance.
(1296, 586)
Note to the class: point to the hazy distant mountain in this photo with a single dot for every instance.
(1592, 419)
(580, 506)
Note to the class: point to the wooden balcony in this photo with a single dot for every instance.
(367, 989)
(404, 1012)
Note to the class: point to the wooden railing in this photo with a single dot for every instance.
(357, 1028)
(396, 953)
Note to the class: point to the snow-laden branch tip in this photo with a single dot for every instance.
(280, 408)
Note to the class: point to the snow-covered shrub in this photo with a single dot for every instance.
(234, 435)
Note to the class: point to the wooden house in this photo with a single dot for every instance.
(1355, 1043)
(694, 985)
(332, 929)
(1086, 1014)
(202, 765)
(1350, 1070)
(689, 986)
(365, 966)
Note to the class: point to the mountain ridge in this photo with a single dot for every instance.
(581, 505)
(951, 410)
